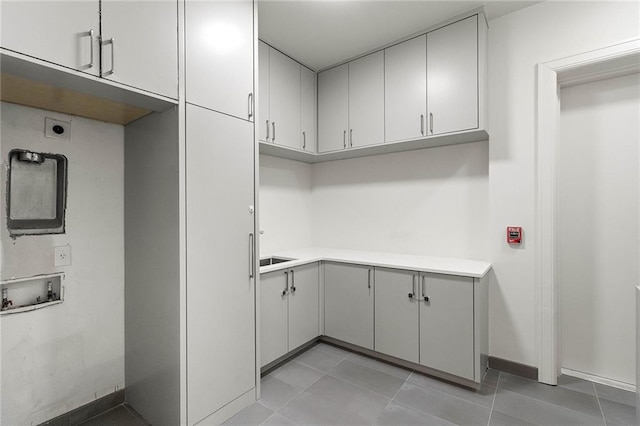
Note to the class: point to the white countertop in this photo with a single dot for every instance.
(438, 265)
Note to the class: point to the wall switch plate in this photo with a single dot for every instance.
(57, 129)
(62, 255)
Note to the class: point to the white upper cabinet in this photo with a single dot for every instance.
(219, 56)
(452, 76)
(366, 100)
(333, 108)
(284, 100)
(264, 123)
(142, 53)
(308, 109)
(64, 33)
(406, 90)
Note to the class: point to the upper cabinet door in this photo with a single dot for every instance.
(219, 56)
(308, 109)
(263, 122)
(452, 71)
(64, 33)
(406, 90)
(284, 100)
(366, 100)
(333, 108)
(143, 52)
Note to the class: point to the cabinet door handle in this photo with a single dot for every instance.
(252, 266)
(431, 122)
(422, 124)
(424, 289)
(369, 278)
(413, 287)
(293, 282)
(91, 47)
(267, 130)
(111, 41)
(344, 139)
(286, 283)
(351, 137)
(304, 140)
(273, 127)
(250, 106)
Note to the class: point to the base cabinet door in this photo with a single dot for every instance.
(303, 305)
(64, 33)
(396, 313)
(273, 316)
(446, 324)
(220, 292)
(349, 303)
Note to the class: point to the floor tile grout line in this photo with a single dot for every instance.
(595, 389)
(493, 403)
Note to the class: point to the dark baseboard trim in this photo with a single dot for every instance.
(512, 367)
(88, 411)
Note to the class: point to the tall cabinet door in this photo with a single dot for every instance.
(219, 55)
(396, 319)
(284, 99)
(446, 324)
(57, 32)
(308, 109)
(333, 108)
(220, 292)
(273, 316)
(452, 75)
(405, 89)
(303, 305)
(144, 51)
(366, 100)
(348, 303)
(263, 122)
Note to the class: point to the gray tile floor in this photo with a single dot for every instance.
(330, 386)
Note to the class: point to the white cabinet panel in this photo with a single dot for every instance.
(145, 45)
(366, 100)
(333, 108)
(396, 314)
(446, 324)
(273, 316)
(220, 294)
(263, 122)
(219, 55)
(452, 71)
(284, 99)
(406, 90)
(348, 302)
(57, 32)
(303, 305)
(308, 109)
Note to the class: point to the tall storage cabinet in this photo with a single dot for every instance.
(219, 56)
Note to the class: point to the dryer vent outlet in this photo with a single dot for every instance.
(57, 129)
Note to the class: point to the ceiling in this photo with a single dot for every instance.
(322, 33)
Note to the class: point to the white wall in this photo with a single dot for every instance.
(285, 204)
(597, 233)
(64, 356)
(426, 202)
(517, 42)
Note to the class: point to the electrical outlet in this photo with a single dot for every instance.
(62, 255)
(57, 129)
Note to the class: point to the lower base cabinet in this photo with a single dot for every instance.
(348, 303)
(289, 310)
(427, 319)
